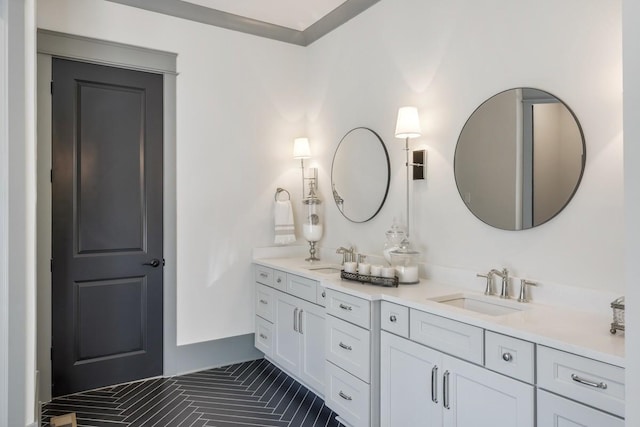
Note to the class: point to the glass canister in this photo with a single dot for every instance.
(405, 261)
(395, 236)
(312, 226)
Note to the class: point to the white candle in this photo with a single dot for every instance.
(407, 274)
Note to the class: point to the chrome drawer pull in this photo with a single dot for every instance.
(393, 318)
(265, 275)
(445, 390)
(279, 280)
(344, 396)
(580, 380)
(300, 322)
(346, 307)
(346, 347)
(263, 336)
(324, 294)
(263, 301)
(507, 357)
(434, 384)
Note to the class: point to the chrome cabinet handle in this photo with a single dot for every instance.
(507, 357)
(434, 384)
(263, 336)
(295, 320)
(263, 274)
(445, 390)
(393, 318)
(346, 347)
(279, 280)
(324, 294)
(590, 383)
(344, 396)
(346, 307)
(300, 321)
(262, 301)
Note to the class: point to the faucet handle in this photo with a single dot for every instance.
(488, 290)
(523, 289)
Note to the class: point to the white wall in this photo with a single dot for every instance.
(631, 35)
(242, 99)
(447, 58)
(21, 202)
(240, 103)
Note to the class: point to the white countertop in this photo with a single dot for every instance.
(580, 332)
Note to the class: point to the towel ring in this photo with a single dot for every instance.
(280, 190)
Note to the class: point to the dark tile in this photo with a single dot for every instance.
(254, 393)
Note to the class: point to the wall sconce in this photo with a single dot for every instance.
(301, 151)
(312, 226)
(408, 127)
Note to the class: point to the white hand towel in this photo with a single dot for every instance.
(284, 225)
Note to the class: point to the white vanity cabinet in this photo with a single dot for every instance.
(592, 382)
(421, 386)
(556, 411)
(352, 366)
(290, 325)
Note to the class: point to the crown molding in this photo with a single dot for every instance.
(180, 9)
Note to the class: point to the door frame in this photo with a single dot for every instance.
(54, 44)
(4, 225)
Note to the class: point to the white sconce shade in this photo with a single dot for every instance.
(408, 124)
(301, 148)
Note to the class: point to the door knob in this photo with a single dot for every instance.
(153, 263)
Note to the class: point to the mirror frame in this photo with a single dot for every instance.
(583, 161)
(386, 155)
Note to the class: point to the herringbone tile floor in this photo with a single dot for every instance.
(246, 394)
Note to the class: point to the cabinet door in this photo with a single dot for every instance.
(555, 411)
(475, 396)
(313, 356)
(410, 385)
(286, 339)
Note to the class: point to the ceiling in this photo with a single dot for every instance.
(299, 22)
(294, 14)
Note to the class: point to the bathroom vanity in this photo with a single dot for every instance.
(413, 356)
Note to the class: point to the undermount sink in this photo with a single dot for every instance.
(491, 306)
(325, 269)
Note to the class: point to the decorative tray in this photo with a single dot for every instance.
(374, 280)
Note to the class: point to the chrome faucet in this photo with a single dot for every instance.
(488, 289)
(347, 254)
(504, 274)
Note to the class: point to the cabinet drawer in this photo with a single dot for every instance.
(264, 302)
(509, 356)
(557, 411)
(264, 275)
(347, 395)
(321, 295)
(280, 280)
(449, 336)
(589, 381)
(347, 307)
(301, 287)
(264, 336)
(348, 346)
(395, 318)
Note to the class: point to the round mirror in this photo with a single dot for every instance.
(360, 174)
(519, 159)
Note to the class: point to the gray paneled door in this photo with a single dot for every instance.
(107, 225)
